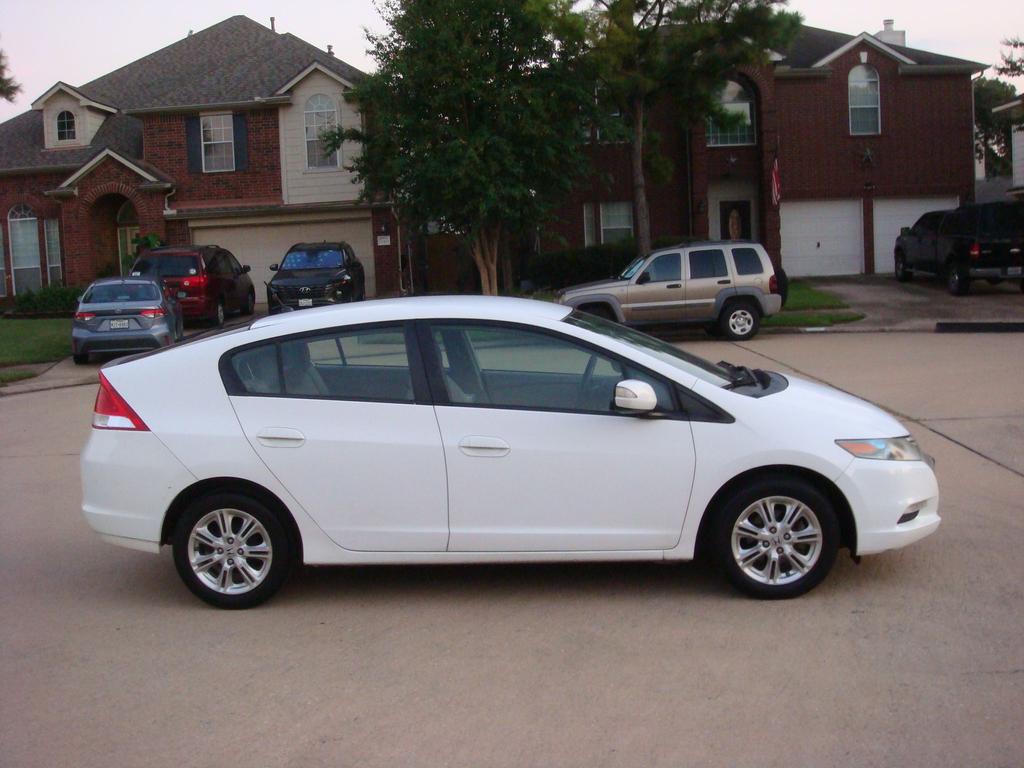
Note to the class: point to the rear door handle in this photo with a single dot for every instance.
(674, 285)
(724, 282)
(483, 446)
(280, 437)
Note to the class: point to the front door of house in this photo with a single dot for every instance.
(126, 247)
(734, 220)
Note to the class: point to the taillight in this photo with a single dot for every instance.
(112, 412)
(975, 252)
(152, 313)
(84, 315)
(773, 284)
(198, 283)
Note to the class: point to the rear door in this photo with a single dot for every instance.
(343, 419)
(656, 294)
(707, 275)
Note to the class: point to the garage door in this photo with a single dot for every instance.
(260, 245)
(891, 215)
(822, 237)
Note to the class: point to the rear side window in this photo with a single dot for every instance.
(167, 266)
(747, 261)
(709, 263)
(257, 371)
(961, 222)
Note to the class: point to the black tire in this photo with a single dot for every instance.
(712, 330)
(250, 303)
(600, 310)
(739, 320)
(81, 359)
(958, 281)
(790, 582)
(236, 595)
(219, 314)
(903, 274)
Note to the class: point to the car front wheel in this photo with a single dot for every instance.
(902, 273)
(777, 538)
(739, 321)
(231, 551)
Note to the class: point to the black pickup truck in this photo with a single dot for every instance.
(984, 240)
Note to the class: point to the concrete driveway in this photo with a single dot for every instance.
(912, 658)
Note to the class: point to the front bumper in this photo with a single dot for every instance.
(276, 303)
(881, 493)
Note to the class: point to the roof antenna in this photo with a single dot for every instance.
(273, 26)
(330, 50)
(190, 33)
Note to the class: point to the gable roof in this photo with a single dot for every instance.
(21, 143)
(73, 93)
(812, 45)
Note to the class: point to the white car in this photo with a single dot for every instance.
(472, 429)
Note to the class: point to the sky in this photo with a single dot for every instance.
(75, 41)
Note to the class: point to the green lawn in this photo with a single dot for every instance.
(34, 341)
(10, 375)
(810, 319)
(802, 296)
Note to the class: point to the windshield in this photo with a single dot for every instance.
(111, 293)
(632, 268)
(326, 258)
(167, 266)
(684, 361)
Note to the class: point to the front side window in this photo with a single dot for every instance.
(664, 268)
(218, 143)
(707, 263)
(747, 261)
(738, 103)
(321, 115)
(616, 222)
(509, 367)
(865, 112)
(66, 126)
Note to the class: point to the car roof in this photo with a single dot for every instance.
(704, 244)
(417, 307)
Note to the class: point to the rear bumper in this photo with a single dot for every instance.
(83, 342)
(197, 306)
(771, 303)
(1003, 273)
(881, 493)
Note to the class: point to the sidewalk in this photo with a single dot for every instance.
(54, 376)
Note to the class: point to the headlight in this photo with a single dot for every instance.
(886, 449)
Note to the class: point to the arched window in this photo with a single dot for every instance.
(66, 126)
(321, 115)
(865, 113)
(738, 101)
(24, 229)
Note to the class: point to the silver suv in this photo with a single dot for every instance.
(727, 286)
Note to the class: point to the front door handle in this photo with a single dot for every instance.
(674, 285)
(724, 282)
(280, 437)
(483, 446)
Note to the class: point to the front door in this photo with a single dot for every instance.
(656, 293)
(707, 276)
(538, 459)
(734, 220)
(126, 248)
(337, 419)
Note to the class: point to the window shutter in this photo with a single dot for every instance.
(241, 137)
(193, 145)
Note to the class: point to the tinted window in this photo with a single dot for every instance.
(215, 262)
(167, 266)
(960, 222)
(233, 264)
(519, 368)
(665, 268)
(928, 223)
(710, 263)
(326, 258)
(1003, 221)
(115, 292)
(747, 261)
(257, 370)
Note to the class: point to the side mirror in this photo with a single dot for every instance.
(645, 277)
(637, 396)
(904, 231)
(274, 267)
(246, 268)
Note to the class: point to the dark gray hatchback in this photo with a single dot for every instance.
(124, 314)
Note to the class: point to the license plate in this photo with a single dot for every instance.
(305, 302)
(1014, 271)
(118, 324)
(182, 294)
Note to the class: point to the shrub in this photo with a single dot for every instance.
(558, 269)
(53, 298)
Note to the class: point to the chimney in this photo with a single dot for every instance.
(330, 50)
(890, 35)
(273, 26)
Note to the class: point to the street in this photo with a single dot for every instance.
(913, 657)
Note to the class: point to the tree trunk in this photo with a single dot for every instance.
(485, 255)
(643, 216)
(508, 276)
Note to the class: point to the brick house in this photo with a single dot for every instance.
(868, 135)
(213, 139)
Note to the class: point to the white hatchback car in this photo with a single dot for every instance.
(471, 429)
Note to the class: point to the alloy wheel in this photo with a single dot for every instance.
(776, 540)
(230, 551)
(741, 321)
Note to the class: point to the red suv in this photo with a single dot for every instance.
(207, 280)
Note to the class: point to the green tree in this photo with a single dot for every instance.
(992, 139)
(475, 116)
(8, 88)
(645, 50)
(1013, 60)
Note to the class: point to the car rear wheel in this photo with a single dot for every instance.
(219, 314)
(958, 282)
(81, 359)
(777, 538)
(250, 304)
(739, 320)
(903, 274)
(231, 551)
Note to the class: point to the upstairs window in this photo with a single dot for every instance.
(321, 115)
(616, 222)
(865, 112)
(736, 101)
(218, 143)
(66, 126)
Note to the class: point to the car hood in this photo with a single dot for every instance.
(308, 276)
(595, 287)
(820, 407)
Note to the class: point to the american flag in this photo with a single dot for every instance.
(776, 182)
